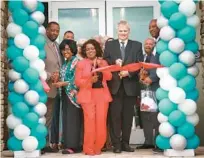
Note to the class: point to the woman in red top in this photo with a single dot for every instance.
(93, 96)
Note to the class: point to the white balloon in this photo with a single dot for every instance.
(167, 33)
(176, 45)
(13, 121)
(13, 29)
(21, 132)
(31, 52)
(38, 64)
(31, 5)
(42, 120)
(10, 19)
(193, 119)
(38, 16)
(167, 83)
(20, 86)
(21, 41)
(177, 95)
(188, 8)
(43, 75)
(178, 142)
(162, 21)
(178, 1)
(193, 21)
(187, 57)
(162, 72)
(42, 30)
(31, 97)
(166, 129)
(162, 118)
(188, 107)
(30, 143)
(41, 109)
(13, 75)
(193, 70)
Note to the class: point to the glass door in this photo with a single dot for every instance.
(138, 13)
(84, 18)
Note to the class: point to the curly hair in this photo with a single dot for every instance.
(99, 52)
(72, 45)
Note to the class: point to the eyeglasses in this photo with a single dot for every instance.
(66, 50)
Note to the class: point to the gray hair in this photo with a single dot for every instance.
(124, 22)
(81, 41)
(150, 38)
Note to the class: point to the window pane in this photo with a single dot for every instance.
(84, 22)
(138, 19)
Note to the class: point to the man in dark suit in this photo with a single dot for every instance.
(124, 86)
(149, 78)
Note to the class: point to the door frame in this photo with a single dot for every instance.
(100, 5)
(110, 4)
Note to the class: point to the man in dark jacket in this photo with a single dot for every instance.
(149, 78)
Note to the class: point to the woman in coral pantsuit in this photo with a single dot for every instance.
(93, 96)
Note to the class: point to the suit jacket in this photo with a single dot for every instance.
(83, 82)
(152, 72)
(52, 64)
(133, 54)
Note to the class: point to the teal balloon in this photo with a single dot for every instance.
(14, 5)
(20, 64)
(163, 142)
(167, 58)
(194, 94)
(14, 144)
(186, 127)
(178, 70)
(41, 143)
(38, 41)
(187, 83)
(20, 16)
(37, 86)
(192, 46)
(161, 94)
(20, 109)
(177, 118)
(11, 86)
(31, 75)
(166, 106)
(42, 54)
(40, 7)
(168, 8)
(40, 131)
(11, 134)
(187, 34)
(10, 41)
(14, 97)
(30, 120)
(43, 97)
(193, 142)
(161, 46)
(177, 21)
(30, 28)
(13, 52)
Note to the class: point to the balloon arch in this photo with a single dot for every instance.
(177, 94)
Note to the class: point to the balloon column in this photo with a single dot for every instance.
(26, 97)
(177, 94)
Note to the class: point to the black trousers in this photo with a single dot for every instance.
(121, 112)
(150, 126)
(71, 123)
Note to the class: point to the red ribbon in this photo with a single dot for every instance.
(129, 67)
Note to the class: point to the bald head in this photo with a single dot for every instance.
(149, 45)
(153, 28)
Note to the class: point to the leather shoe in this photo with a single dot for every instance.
(145, 146)
(127, 148)
(116, 150)
(157, 150)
